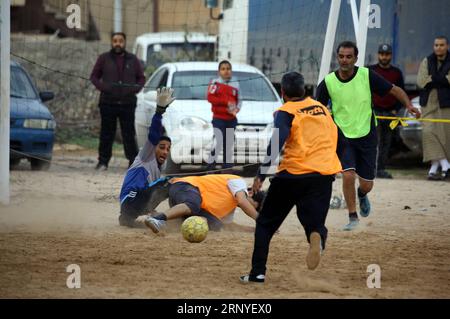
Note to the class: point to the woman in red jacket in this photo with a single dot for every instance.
(223, 94)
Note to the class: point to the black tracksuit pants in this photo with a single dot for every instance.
(311, 195)
(385, 135)
(109, 115)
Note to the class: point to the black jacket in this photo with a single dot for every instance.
(439, 82)
(116, 89)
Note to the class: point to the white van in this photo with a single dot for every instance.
(188, 120)
(155, 49)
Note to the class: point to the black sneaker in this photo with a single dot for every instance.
(101, 167)
(251, 278)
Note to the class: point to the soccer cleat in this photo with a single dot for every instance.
(354, 222)
(315, 251)
(156, 225)
(364, 205)
(250, 278)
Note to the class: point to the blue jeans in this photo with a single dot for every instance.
(226, 145)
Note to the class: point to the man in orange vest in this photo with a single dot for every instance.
(304, 177)
(214, 197)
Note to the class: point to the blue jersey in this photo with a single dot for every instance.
(145, 168)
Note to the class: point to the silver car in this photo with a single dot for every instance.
(411, 135)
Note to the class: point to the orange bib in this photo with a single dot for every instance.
(311, 146)
(216, 196)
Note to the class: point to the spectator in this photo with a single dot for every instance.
(386, 106)
(118, 75)
(433, 79)
(223, 94)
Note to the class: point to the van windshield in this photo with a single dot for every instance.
(192, 85)
(158, 54)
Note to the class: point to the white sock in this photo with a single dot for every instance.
(434, 167)
(444, 164)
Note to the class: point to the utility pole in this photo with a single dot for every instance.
(5, 28)
(330, 36)
(117, 15)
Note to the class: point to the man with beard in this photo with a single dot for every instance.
(118, 75)
(350, 89)
(385, 106)
(434, 81)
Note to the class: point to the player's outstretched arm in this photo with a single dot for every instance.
(164, 96)
(404, 99)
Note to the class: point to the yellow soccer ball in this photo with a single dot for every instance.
(195, 229)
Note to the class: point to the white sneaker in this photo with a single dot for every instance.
(354, 222)
(248, 278)
(156, 225)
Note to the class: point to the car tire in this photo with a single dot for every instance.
(39, 165)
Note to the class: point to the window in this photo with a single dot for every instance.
(158, 80)
(21, 86)
(227, 4)
(158, 54)
(192, 85)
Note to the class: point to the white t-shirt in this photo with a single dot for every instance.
(235, 185)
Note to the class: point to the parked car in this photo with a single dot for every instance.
(32, 126)
(188, 120)
(411, 135)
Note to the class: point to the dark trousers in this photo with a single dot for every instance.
(385, 135)
(109, 115)
(144, 201)
(310, 195)
(227, 145)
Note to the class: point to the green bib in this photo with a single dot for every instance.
(351, 103)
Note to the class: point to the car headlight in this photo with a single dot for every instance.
(39, 124)
(194, 124)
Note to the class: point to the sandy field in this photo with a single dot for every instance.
(69, 216)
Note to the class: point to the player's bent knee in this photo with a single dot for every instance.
(366, 186)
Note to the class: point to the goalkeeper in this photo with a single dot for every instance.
(143, 188)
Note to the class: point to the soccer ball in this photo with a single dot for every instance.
(195, 229)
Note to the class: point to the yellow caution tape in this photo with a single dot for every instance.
(395, 121)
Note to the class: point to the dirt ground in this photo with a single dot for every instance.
(69, 216)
